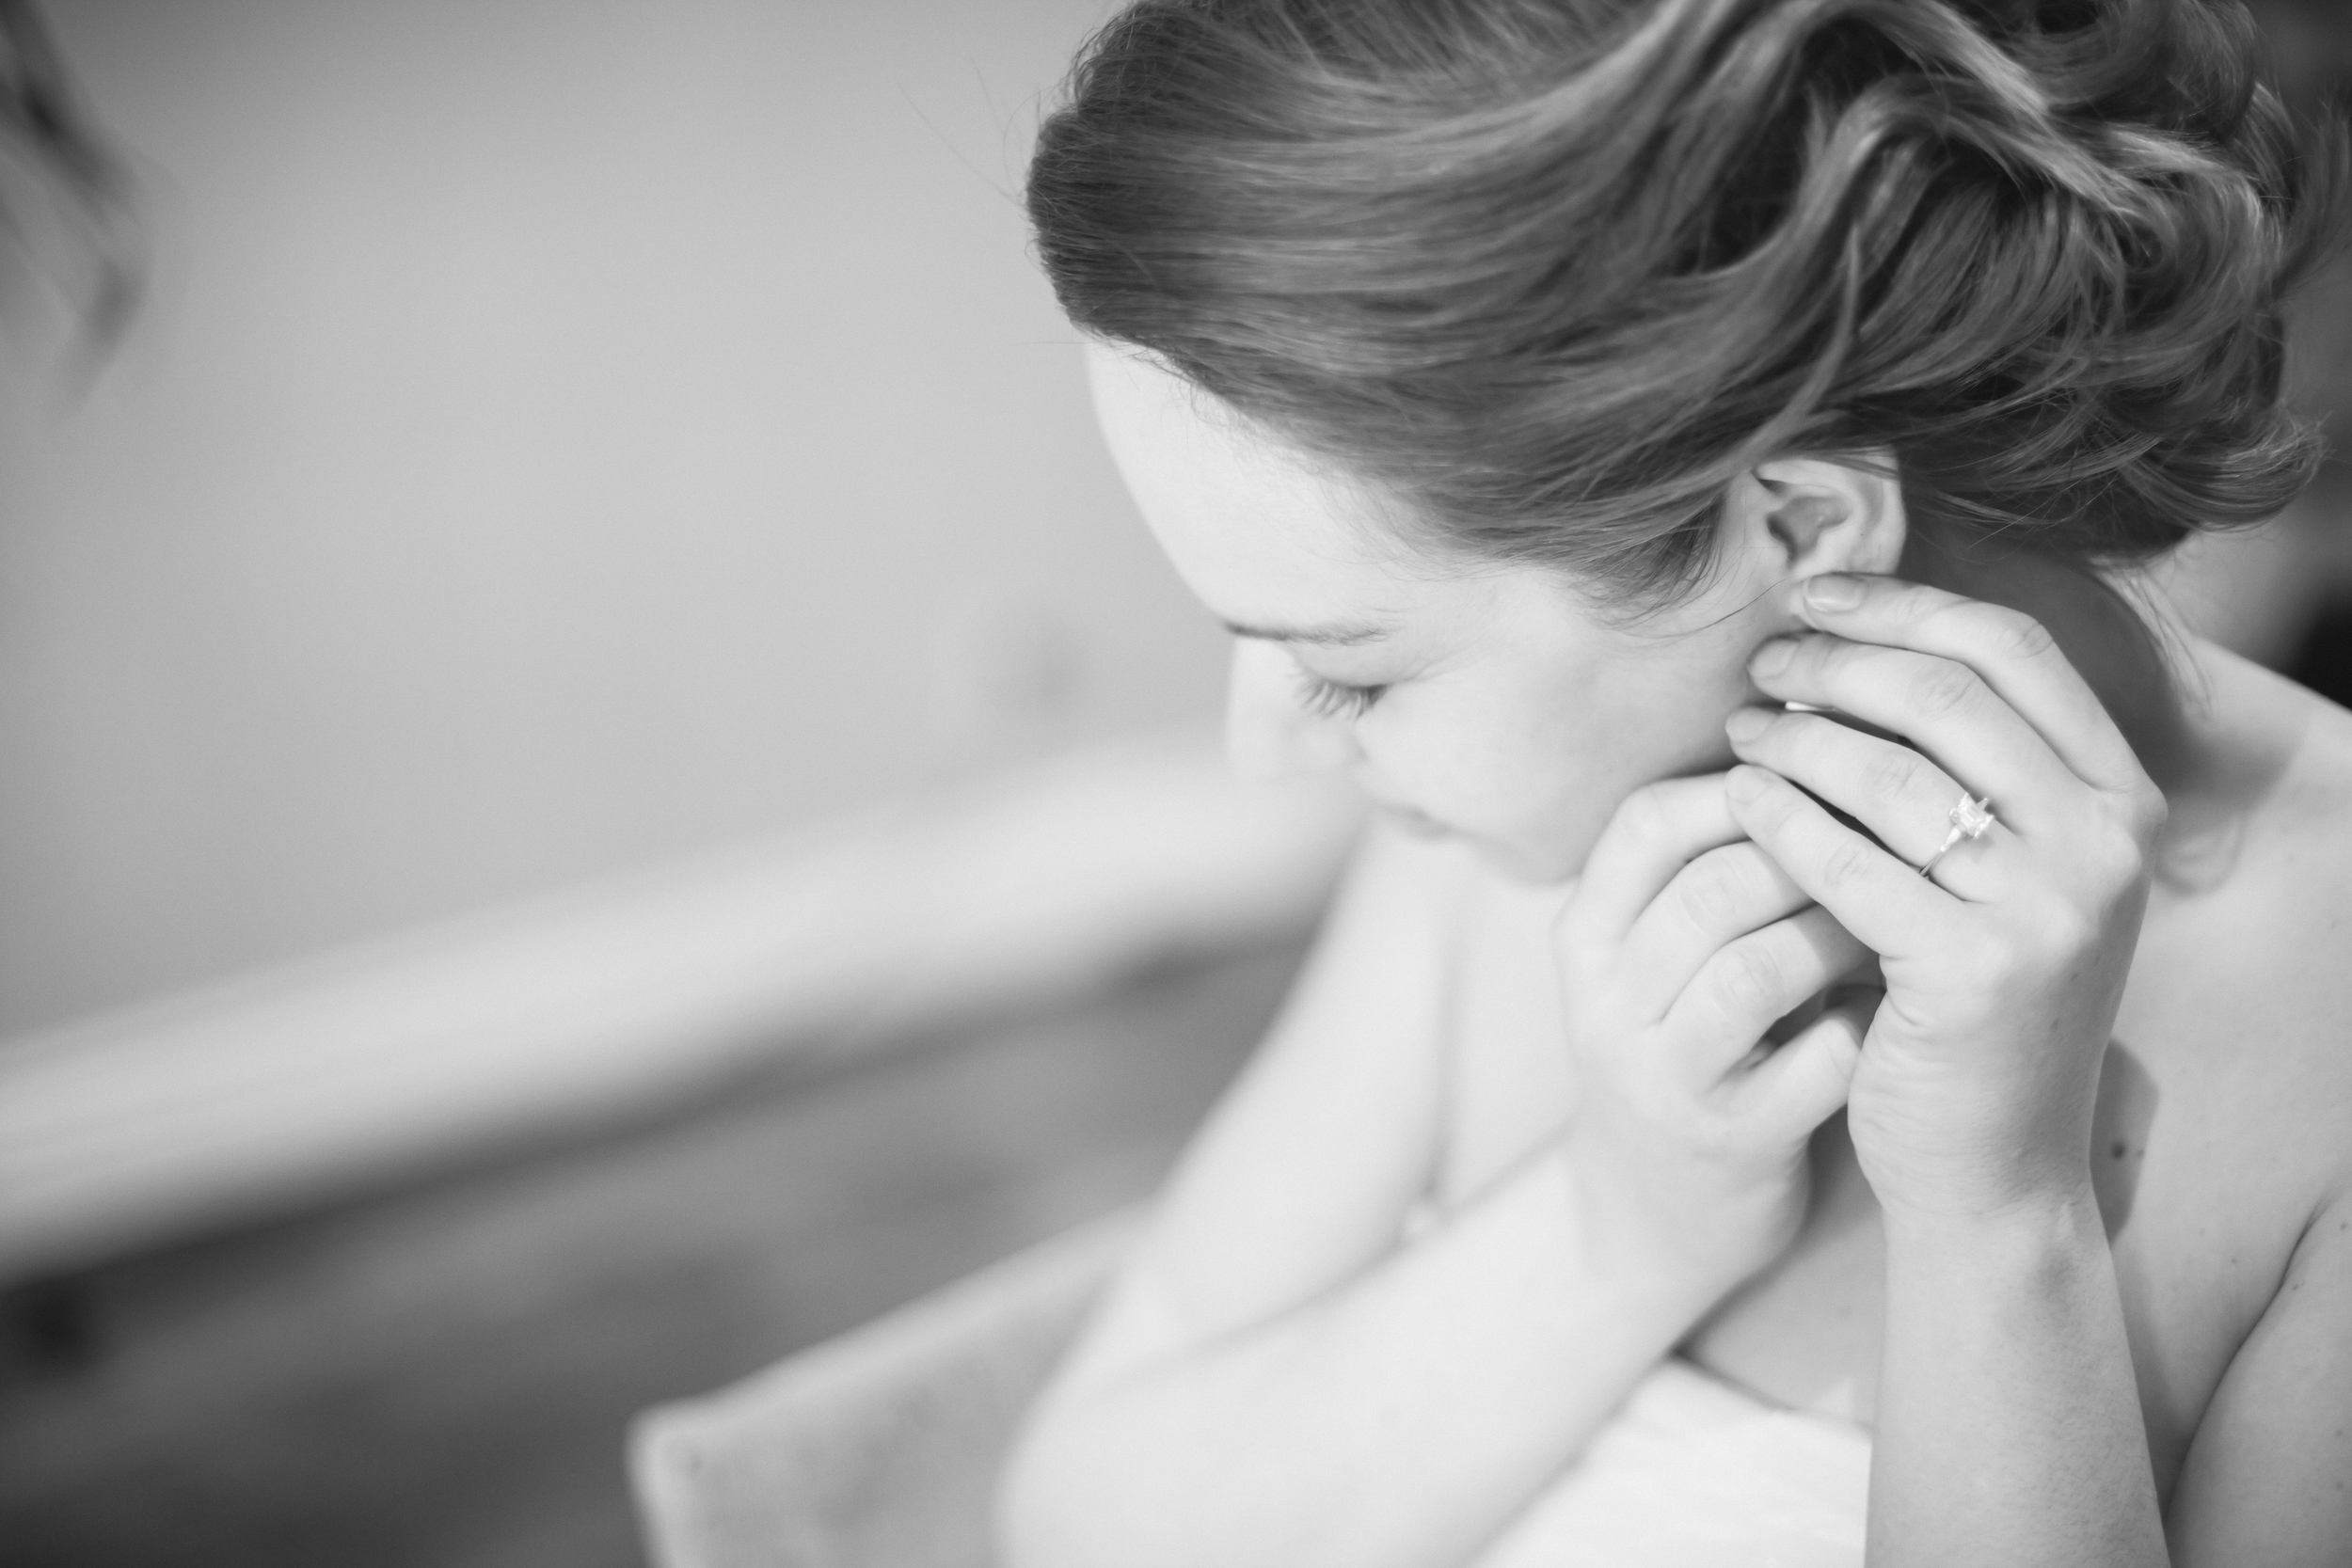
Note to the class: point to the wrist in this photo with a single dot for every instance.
(1684, 1250)
(2013, 1185)
(2024, 1228)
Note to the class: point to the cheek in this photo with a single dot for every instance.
(1491, 765)
(1534, 771)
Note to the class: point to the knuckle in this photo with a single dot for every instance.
(1704, 899)
(2050, 930)
(2119, 857)
(1832, 656)
(2076, 930)
(1846, 862)
(1895, 771)
(2123, 868)
(1645, 815)
(1750, 979)
(2119, 843)
(1943, 687)
(2014, 634)
(2057, 925)
(1811, 742)
(1989, 955)
(1769, 816)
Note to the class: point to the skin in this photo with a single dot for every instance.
(2039, 1165)
(1498, 682)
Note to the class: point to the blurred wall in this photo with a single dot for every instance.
(563, 435)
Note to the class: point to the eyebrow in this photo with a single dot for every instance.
(1336, 636)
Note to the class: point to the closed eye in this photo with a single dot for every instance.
(1331, 700)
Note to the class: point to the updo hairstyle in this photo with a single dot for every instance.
(1557, 271)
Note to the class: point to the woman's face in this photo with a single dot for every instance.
(1488, 701)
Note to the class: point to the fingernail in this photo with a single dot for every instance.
(1745, 783)
(1747, 723)
(1833, 591)
(1772, 658)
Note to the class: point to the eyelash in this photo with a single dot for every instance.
(1331, 700)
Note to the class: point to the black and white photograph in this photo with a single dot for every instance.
(1175, 784)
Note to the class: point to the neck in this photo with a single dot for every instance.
(2121, 650)
(2216, 733)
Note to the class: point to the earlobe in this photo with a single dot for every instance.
(1819, 516)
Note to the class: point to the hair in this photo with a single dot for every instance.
(76, 234)
(1557, 271)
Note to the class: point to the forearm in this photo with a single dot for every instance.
(2010, 1427)
(1397, 1422)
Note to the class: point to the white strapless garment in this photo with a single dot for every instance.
(1693, 1472)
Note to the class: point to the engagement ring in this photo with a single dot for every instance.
(1969, 820)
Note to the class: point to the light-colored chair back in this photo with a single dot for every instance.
(878, 1449)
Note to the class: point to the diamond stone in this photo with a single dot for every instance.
(1972, 817)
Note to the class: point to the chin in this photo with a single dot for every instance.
(1549, 850)
(1518, 857)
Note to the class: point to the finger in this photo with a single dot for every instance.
(1798, 1087)
(1717, 899)
(1745, 988)
(1942, 707)
(2012, 651)
(1898, 793)
(1654, 834)
(1894, 912)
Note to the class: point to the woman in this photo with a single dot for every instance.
(1679, 456)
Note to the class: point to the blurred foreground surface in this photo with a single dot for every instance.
(442, 1376)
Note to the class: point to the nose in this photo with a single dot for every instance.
(1268, 733)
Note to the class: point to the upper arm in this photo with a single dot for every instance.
(2268, 1477)
(1302, 1175)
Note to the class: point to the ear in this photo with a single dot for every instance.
(1801, 516)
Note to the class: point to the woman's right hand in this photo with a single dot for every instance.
(1680, 947)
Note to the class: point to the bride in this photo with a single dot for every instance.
(1837, 1042)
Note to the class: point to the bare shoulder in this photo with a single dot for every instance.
(2242, 994)
(1403, 901)
(1440, 900)
(2225, 1121)
(2227, 1143)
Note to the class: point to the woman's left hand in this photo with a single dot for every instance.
(2005, 967)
